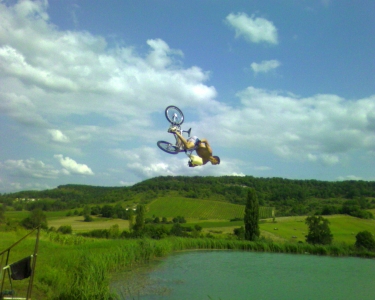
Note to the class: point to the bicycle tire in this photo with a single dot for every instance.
(174, 115)
(168, 147)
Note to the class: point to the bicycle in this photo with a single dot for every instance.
(174, 116)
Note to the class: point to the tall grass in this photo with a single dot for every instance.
(71, 267)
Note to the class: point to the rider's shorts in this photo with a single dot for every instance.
(193, 139)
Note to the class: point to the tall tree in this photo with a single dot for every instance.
(131, 218)
(140, 218)
(319, 231)
(251, 218)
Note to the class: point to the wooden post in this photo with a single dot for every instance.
(35, 255)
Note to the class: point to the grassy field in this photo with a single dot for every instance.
(193, 208)
(344, 228)
(199, 209)
(213, 217)
(293, 229)
(68, 265)
(78, 225)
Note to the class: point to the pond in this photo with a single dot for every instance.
(249, 275)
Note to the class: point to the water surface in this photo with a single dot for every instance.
(249, 275)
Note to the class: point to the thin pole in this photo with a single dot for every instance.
(2, 271)
(28, 296)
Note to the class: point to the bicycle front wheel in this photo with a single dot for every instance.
(168, 147)
(174, 115)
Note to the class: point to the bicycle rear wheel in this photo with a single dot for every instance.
(174, 115)
(168, 147)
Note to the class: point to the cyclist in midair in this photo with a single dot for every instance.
(202, 147)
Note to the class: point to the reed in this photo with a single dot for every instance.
(73, 267)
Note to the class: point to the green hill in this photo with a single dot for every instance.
(194, 208)
(199, 209)
(289, 197)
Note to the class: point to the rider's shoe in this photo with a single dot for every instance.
(172, 129)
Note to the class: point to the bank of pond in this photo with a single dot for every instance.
(75, 267)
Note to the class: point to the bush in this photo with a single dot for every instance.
(329, 210)
(179, 219)
(65, 229)
(239, 232)
(236, 219)
(364, 239)
(88, 218)
(37, 217)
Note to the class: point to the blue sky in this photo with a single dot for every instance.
(279, 88)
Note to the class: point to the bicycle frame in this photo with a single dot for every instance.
(179, 143)
(175, 119)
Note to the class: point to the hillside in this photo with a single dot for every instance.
(290, 197)
(194, 208)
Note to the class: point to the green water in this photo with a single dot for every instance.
(248, 275)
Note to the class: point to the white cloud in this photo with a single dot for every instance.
(58, 136)
(265, 66)
(20, 108)
(159, 57)
(49, 75)
(320, 128)
(255, 30)
(71, 166)
(151, 162)
(330, 159)
(29, 168)
(349, 177)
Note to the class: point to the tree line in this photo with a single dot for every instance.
(290, 197)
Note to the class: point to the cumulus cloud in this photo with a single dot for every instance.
(78, 61)
(151, 162)
(265, 66)
(29, 168)
(21, 109)
(254, 30)
(71, 166)
(58, 136)
(320, 128)
(160, 57)
(49, 75)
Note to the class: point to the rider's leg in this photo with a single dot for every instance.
(187, 144)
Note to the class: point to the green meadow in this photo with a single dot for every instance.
(199, 209)
(78, 225)
(75, 267)
(343, 227)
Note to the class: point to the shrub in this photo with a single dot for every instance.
(37, 217)
(239, 232)
(88, 218)
(65, 229)
(364, 239)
